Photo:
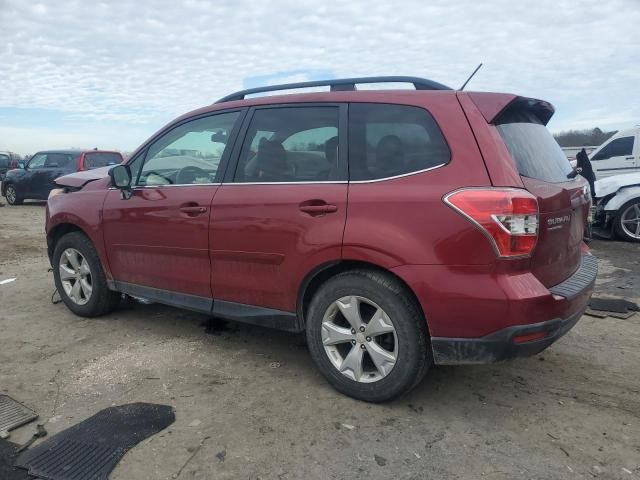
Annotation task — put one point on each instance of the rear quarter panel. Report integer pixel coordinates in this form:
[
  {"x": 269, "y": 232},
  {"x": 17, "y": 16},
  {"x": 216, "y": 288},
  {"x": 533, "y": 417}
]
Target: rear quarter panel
[{"x": 404, "y": 220}]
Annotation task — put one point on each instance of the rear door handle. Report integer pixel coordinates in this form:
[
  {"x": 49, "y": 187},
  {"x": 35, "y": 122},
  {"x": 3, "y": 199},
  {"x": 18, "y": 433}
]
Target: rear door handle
[
  {"x": 629, "y": 158},
  {"x": 318, "y": 209}
]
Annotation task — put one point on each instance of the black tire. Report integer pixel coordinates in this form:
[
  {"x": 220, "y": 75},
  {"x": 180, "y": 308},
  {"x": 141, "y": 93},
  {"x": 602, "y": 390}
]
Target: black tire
[
  {"x": 413, "y": 357},
  {"x": 102, "y": 300},
  {"x": 15, "y": 198},
  {"x": 617, "y": 224}
]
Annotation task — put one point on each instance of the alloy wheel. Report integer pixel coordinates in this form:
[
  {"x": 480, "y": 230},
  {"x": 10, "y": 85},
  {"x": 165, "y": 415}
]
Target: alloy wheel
[
  {"x": 360, "y": 339},
  {"x": 75, "y": 276},
  {"x": 630, "y": 221},
  {"x": 11, "y": 194}
]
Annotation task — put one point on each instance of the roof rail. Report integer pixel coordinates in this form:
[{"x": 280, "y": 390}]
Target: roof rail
[{"x": 339, "y": 84}]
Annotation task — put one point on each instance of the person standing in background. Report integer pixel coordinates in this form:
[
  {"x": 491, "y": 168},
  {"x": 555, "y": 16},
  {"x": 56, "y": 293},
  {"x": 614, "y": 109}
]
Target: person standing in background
[{"x": 584, "y": 163}]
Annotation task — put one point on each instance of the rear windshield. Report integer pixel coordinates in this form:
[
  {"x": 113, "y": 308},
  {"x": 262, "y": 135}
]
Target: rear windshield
[
  {"x": 533, "y": 148},
  {"x": 101, "y": 159}
]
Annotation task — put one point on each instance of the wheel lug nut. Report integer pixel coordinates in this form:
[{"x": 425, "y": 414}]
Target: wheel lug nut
[
  {"x": 362, "y": 329},
  {"x": 353, "y": 330},
  {"x": 353, "y": 342},
  {"x": 362, "y": 346},
  {"x": 368, "y": 339}
]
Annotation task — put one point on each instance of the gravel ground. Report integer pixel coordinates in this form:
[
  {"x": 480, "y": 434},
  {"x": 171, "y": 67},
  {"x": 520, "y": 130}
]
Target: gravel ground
[{"x": 250, "y": 404}]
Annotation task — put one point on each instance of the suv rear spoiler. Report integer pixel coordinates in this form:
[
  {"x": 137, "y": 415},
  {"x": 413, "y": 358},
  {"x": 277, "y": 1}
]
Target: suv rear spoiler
[{"x": 493, "y": 105}]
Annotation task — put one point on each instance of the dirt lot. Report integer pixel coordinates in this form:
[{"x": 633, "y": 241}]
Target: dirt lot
[{"x": 259, "y": 407}]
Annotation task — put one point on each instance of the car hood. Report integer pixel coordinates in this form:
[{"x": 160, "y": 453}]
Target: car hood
[
  {"x": 610, "y": 185},
  {"x": 80, "y": 179}
]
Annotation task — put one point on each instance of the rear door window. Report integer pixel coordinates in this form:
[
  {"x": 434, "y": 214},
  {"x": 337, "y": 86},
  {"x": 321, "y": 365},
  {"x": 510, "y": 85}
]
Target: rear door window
[
  {"x": 101, "y": 159},
  {"x": 619, "y": 147},
  {"x": 390, "y": 140},
  {"x": 536, "y": 153},
  {"x": 290, "y": 144}
]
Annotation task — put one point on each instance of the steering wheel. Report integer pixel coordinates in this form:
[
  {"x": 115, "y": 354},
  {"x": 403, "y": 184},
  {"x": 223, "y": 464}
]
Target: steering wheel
[{"x": 188, "y": 175}]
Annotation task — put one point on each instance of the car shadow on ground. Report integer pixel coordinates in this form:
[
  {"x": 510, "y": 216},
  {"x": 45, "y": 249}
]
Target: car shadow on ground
[{"x": 508, "y": 385}]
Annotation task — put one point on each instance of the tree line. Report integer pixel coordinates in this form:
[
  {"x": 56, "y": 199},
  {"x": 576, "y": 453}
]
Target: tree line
[{"x": 582, "y": 138}]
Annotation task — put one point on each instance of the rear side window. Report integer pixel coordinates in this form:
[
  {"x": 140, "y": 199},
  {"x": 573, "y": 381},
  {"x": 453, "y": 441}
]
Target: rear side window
[
  {"x": 290, "y": 144},
  {"x": 536, "y": 153},
  {"x": 619, "y": 147},
  {"x": 391, "y": 140},
  {"x": 101, "y": 159},
  {"x": 4, "y": 161}
]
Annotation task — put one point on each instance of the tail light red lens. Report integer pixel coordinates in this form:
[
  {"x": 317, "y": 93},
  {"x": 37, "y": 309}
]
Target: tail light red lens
[{"x": 507, "y": 216}]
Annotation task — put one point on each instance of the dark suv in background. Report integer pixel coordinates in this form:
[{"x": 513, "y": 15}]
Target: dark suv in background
[
  {"x": 36, "y": 178},
  {"x": 398, "y": 229}
]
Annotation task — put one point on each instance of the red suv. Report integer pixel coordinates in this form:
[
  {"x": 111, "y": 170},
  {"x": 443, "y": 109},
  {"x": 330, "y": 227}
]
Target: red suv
[{"x": 398, "y": 229}]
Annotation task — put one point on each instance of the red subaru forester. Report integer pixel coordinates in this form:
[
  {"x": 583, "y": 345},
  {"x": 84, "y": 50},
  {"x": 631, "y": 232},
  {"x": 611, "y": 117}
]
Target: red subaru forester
[{"x": 397, "y": 228}]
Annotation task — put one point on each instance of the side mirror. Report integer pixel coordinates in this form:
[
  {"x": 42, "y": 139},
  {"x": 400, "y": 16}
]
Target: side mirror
[
  {"x": 121, "y": 179},
  {"x": 22, "y": 165}
]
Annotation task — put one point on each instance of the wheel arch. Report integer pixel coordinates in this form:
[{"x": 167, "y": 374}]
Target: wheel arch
[
  {"x": 57, "y": 232},
  {"x": 324, "y": 272}
]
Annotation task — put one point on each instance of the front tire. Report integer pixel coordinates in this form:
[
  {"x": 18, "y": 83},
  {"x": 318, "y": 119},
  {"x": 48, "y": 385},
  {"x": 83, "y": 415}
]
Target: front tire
[
  {"x": 12, "y": 196},
  {"x": 627, "y": 222},
  {"x": 367, "y": 335},
  {"x": 79, "y": 277}
]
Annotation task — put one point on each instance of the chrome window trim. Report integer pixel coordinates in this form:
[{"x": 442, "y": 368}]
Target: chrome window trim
[
  {"x": 141, "y": 187},
  {"x": 401, "y": 175},
  {"x": 321, "y": 182},
  {"x": 289, "y": 183}
]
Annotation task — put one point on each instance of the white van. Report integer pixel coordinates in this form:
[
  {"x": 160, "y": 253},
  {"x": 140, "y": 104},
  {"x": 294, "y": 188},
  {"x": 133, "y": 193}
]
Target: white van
[{"x": 620, "y": 154}]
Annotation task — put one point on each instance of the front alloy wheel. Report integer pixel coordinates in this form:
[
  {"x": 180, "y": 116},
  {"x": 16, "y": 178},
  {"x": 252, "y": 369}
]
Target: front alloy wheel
[
  {"x": 630, "y": 221},
  {"x": 359, "y": 339},
  {"x": 75, "y": 276},
  {"x": 11, "y": 195}
]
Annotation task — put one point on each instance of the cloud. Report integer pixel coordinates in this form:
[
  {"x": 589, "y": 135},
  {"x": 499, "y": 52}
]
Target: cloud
[{"x": 140, "y": 62}]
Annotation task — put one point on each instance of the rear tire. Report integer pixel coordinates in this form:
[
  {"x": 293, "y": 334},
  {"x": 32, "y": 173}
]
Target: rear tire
[
  {"x": 627, "y": 221},
  {"x": 12, "y": 196},
  {"x": 387, "y": 364},
  {"x": 79, "y": 277}
]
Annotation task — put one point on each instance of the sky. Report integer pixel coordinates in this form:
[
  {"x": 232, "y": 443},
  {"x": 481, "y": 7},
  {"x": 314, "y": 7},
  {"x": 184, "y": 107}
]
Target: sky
[{"x": 80, "y": 73}]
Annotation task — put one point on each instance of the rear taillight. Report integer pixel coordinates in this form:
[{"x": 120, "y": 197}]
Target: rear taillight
[{"x": 508, "y": 216}]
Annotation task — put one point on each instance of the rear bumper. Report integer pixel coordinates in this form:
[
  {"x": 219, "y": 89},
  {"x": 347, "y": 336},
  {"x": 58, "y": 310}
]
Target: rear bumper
[
  {"x": 501, "y": 345},
  {"x": 477, "y": 315}
]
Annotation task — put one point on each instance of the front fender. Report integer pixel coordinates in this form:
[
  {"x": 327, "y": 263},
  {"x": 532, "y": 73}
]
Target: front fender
[
  {"x": 81, "y": 210},
  {"x": 621, "y": 197}
]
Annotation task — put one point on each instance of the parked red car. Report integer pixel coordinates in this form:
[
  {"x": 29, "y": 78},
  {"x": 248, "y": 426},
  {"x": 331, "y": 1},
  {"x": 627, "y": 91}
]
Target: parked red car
[{"x": 397, "y": 228}]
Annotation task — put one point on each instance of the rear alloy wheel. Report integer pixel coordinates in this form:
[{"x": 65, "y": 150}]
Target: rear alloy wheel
[
  {"x": 359, "y": 338},
  {"x": 367, "y": 335},
  {"x": 627, "y": 223},
  {"x": 11, "y": 194}
]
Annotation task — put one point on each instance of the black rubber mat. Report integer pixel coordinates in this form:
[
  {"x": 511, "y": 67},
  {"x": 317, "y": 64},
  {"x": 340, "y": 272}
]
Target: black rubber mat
[
  {"x": 92, "y": 448},
  {"x": 14, "y": 414},
  {"x": 8, "y": 454},
  {"x": 618, "y": 305}
]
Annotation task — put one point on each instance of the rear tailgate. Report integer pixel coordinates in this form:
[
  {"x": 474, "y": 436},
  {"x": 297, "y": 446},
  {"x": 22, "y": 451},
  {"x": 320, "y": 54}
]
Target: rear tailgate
[{"x": 544, "y": 170}]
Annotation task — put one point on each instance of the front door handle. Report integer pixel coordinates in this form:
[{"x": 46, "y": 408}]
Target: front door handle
[
  {"x": 629, "y": 158},
  {"x": 193, "y": 210},
  {"x": 318, "y": 209}
]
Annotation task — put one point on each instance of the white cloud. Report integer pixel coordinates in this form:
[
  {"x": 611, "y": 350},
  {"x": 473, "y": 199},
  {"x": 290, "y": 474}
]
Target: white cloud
[{"x": 134, "y": 62}]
